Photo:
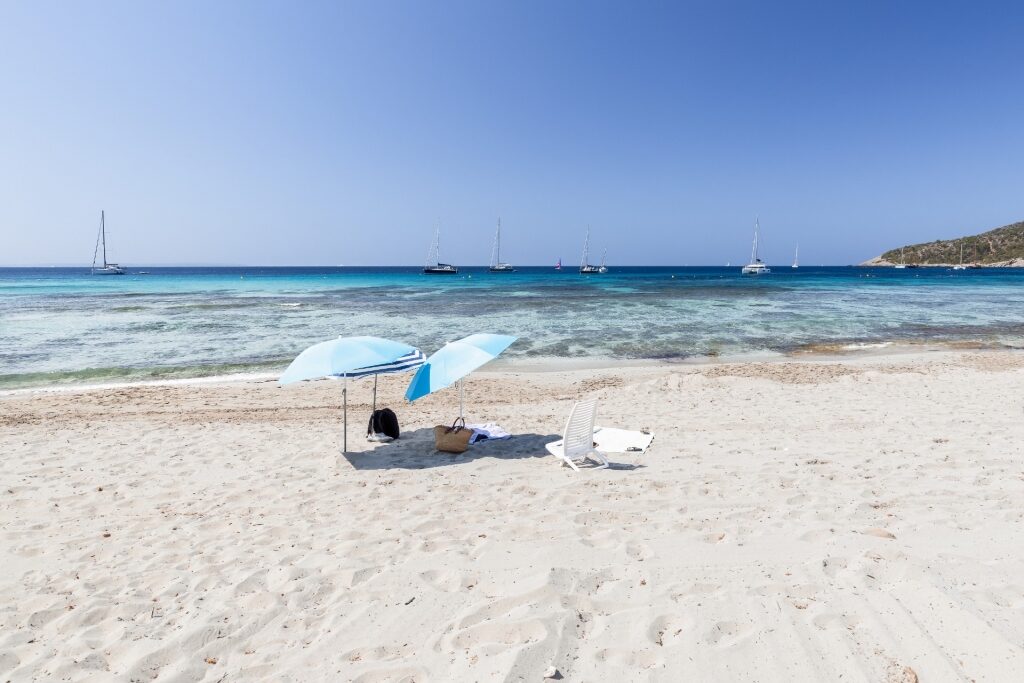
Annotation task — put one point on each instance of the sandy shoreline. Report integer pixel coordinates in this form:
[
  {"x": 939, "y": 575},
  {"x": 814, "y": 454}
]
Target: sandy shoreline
[
  {"x": 818, "y": 352},
  {"x": 795, "y": 520}
]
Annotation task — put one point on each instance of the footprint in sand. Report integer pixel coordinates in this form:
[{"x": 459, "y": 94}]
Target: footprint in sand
[
  {"x": 148, "y": 667},
  {"x": 373, "y": 654},
  {"x": 609, "y": 580},
  {"x": 833, "y": 566},
  {"x": 357, "y": 576},
  {"x": 449, "y": 581},
  {"x": 668, "y": 630},
  {"x": 638, "y": 551},
  {"x": 815, "y": 535},
  {"x": 43, "y": 617},
  {"x": 507, "y": 633},
  {"x": 695, "y": 591},
  {"x": 829, "y": 620},
  {"x": 407, "y": 674},
  {"x": 726, "y": 634},
  {"x": 633, "y": 659}
]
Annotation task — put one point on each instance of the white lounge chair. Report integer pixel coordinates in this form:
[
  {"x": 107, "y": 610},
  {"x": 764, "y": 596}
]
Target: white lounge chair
[{"x": 577, "y": 444}]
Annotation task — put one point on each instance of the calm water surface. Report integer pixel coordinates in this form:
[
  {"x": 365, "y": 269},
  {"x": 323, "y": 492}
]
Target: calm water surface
[{"x": 65, "y": 325}]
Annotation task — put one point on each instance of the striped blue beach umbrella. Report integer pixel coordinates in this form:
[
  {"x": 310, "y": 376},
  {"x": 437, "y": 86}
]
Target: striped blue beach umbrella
[
  {"x": 409, "y": 361},
  {"x": 346, "y": 357}
]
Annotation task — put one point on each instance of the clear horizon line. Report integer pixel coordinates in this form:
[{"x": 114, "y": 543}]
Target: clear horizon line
[{"x": 484, "y": 266}]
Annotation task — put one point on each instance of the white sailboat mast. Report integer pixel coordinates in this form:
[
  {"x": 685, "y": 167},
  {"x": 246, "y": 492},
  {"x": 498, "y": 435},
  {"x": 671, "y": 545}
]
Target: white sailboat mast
[
  {"x": 103, "y": 232},
  {"x": 753, "y": 251},
  {"x": 435, "y": 248},
  {"x": 586, "y": 248},
  {"x": 496, "y": 249}
]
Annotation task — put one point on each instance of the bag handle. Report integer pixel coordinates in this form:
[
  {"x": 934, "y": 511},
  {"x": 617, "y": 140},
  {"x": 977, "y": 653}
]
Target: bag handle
[{"x": 458, "y": 428}]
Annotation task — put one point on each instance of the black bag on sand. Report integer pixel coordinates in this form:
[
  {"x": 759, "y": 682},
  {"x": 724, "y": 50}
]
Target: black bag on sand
[{"x": 383, "y": 421}]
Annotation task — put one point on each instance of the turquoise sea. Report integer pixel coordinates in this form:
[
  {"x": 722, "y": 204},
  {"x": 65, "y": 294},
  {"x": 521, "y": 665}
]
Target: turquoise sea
[{"x": 63, "y": 325}]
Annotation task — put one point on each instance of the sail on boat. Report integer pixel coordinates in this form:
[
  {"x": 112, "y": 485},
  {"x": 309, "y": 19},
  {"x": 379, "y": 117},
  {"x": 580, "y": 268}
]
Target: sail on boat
[
  {"x": 433, "y": 266},
  {"x": 585, "y": 267},
  {"x": 496, "y": 265},
  {"x": 101, "y": 239},
  {"x": 756, "y": 265},
  {"x": 796, "y": 256},
  {"x": 902, "y": 263},
  {"x": 558, "y": 266}
]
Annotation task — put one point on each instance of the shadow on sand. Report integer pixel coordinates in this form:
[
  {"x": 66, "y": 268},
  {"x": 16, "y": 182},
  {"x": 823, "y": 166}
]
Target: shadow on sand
[{"x": 415, "y": 451}]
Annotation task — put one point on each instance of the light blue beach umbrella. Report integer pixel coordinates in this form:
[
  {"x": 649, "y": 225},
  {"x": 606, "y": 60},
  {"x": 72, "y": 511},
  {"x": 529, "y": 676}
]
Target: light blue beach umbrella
[
  {"x": 454, "y": 361},
  {"x": 352, "y": 357}
]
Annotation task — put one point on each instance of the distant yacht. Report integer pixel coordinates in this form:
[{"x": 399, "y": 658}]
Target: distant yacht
[
  {"x": 796, "y": 256},
  {"x": 433, "y": 266},
  {"x": 585, "y": 267},
  {"x": 558, "y": 266},
  {"x": 496, "y": 265},
  {"x": 101, "y": 239},
  {"x": 902, "y": 263},
  {"x": 756, "y": 265}
]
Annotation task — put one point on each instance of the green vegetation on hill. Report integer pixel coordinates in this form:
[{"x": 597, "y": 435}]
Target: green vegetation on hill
[{"x": 1002, "y": 244}]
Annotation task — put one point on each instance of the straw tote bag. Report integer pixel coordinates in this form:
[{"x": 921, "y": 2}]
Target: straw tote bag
[{"x": 454, "y": 439}]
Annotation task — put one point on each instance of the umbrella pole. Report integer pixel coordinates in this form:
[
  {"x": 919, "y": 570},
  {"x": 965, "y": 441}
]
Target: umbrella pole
[
  {"x": 344, "y": 404},
  {"x": 374, "y": 394},
  {"x": 462, "y": 384}
]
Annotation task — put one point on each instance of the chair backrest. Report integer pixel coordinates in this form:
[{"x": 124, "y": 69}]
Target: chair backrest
[{"x": 579, "y": 430}]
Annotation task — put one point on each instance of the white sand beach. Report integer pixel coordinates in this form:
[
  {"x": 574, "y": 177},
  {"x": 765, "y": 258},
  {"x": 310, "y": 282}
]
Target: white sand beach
[{"x": 855, "y": 519}]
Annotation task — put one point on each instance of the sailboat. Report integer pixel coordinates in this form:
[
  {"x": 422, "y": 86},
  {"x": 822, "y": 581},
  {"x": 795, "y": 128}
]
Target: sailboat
[
  {"x": 558, "y": 266},
  {"x": 433, "y": 266},
  {"x": 496, "y": 265},
  {"x": 796, "y": 256},
  {"x": 974, "y": 259},
  {"x": 904, "y": 264},
  {"x": 756, "y": 265},
  {"x": 101, "y": 239},
  {"x": 961, "y": 266},
  {"x": 585, "y": 267},
  {"x": 603, "y": 268}
]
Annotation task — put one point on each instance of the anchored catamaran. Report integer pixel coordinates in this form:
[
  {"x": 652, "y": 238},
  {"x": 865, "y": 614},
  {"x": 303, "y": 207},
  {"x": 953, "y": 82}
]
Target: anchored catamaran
[
  {"x": 756, "y": 265},
  {"x": 101, "y": 239},
  {"x": 496, "y": 265}
]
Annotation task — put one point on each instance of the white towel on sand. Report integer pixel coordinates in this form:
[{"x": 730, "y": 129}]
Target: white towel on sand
[
  {"x": 489, "y": 432},
  {"x": 611, "y": 440}
]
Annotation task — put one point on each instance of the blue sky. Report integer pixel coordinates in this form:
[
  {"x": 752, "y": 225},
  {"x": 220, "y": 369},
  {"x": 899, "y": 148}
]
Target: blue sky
[{"x": 340, "y": 133}]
